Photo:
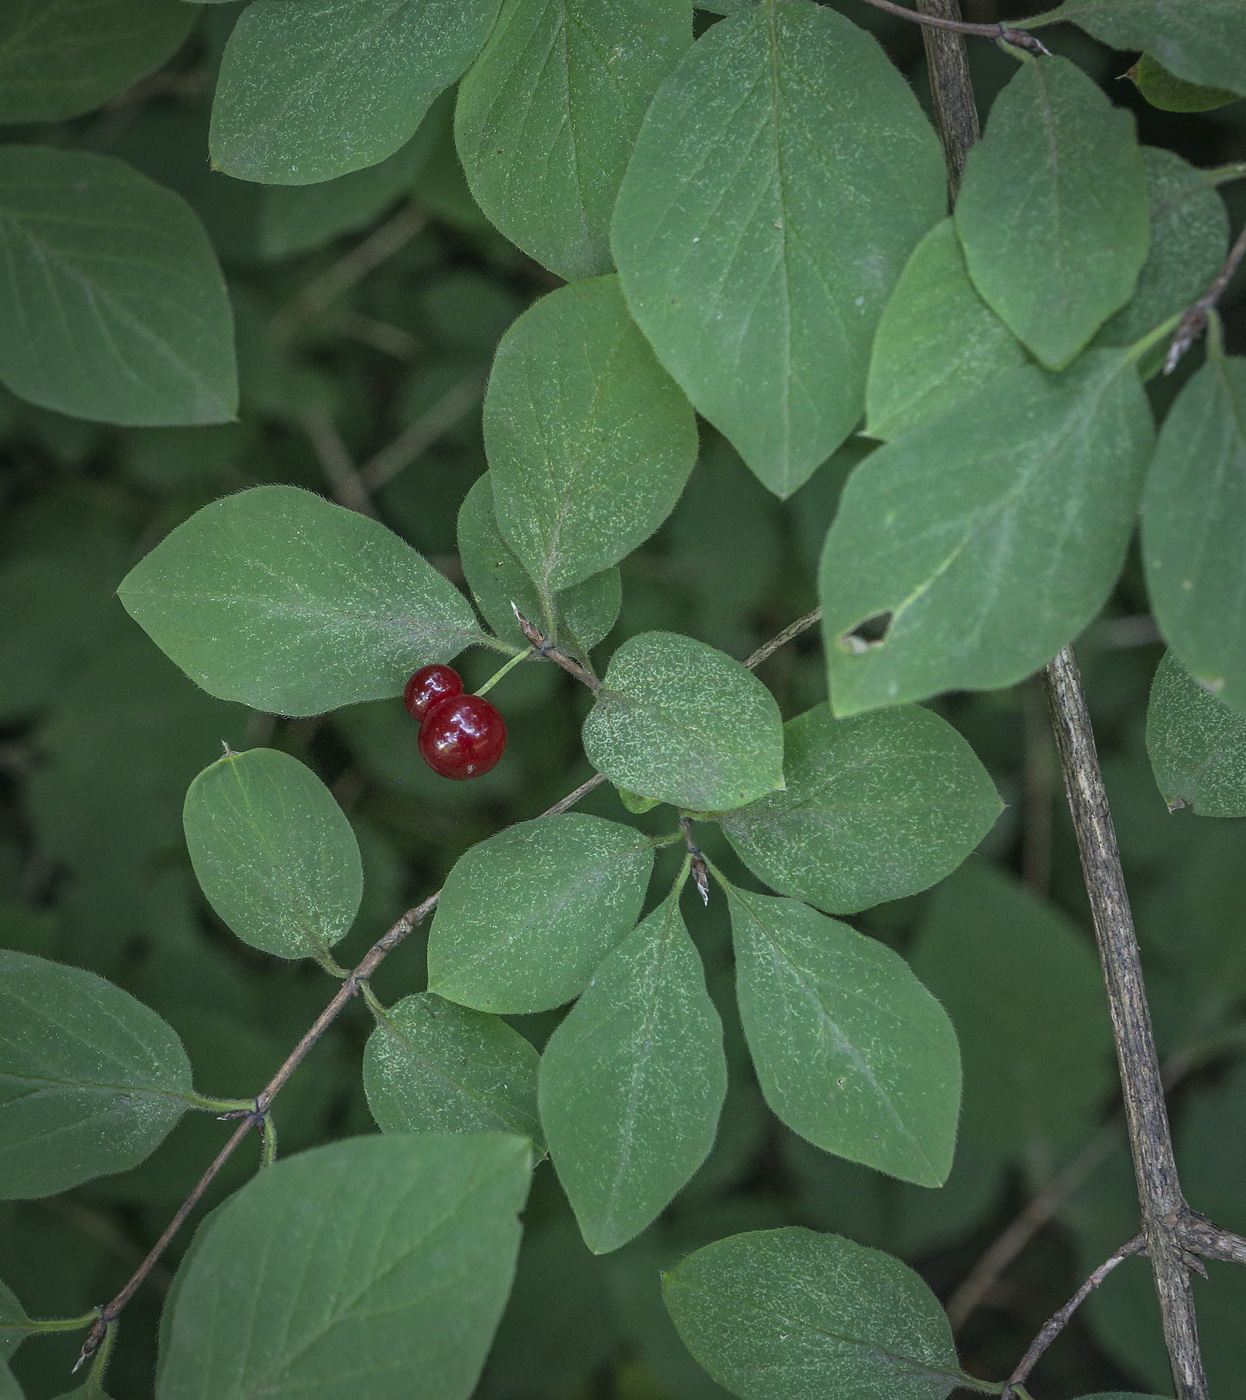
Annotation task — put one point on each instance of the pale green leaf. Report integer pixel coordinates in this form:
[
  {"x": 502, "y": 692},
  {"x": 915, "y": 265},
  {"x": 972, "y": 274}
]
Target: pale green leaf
[
  {"x": 937, "y": 340},
  {"x": 432, "y": 1066},
  {"x": 984, "y": 541},
  {"x": 274, "y": 853},
  {"x": 873, "y": 808},
  {"x": 684, "y": 723},
  {"x": 60, "y": 58},
  {"x": 1196, "y": 743},
  {"x": 633, "y": 1080},
  {"x": 111, "y": 297},
  {"x": 548, "y": 114},
  {"x": 1053, "y": 210},
  {"x": 14, "y": 1324},
  {"x": 313, "y": 89},
  {"x": 1194, "y": 529},
  {"x": 851, "y": 1051},
  {"x": 9, "y": 1388},
  {"x": 1169, "y": 93},
  {"x": 763, "y": 222},
  {"x": 527, "y": 916},
  {"x": 1023, "y": 989},
  {"x": 794, "y": 1315},
  {"x": 279, "y": 599},
  {"x": 589, "y": 439},
  {"x": 91, "y": 1080},
  {"x": 376, "y": 1266}
]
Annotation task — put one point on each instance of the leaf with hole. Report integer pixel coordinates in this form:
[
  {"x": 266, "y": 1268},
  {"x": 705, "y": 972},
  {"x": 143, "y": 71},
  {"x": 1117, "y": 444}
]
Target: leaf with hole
[
  {"x": 279, "y": 599},
  {"x": 274, "y": 853},
  {"x": 313, "y": 89},
  {"x": 762, "y": 224},
  {"x": 682, "y": 722},
  {"x": 91, "y": 1080},
  {"x": 1196, "y": 743},
  {"x": 873, "y": 808},
  {"x": 968, "y": 552},
  {"x": 851, "y": 1051},
  {"x": 433, "y": 1066},
  {"x": 793, "y": 1315},
  {"x": 375, "y": 1266},
  {"x": 114, "y": 299},
  {"x": 527, "y": 916},
  {"x": 583, "y": 474},
  {"x": 633, "y": 1080},
  {"x": 1052, "y": 213},
  {"x": 548, "y": 114}
]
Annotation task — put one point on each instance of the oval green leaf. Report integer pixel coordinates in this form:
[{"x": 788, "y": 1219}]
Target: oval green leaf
[
  {"x": 377, "y": 1266},
  {"x": 1193, "y": 525},
  {"x": 279, "y": 599},
  {"x": 274, "y": 853},
  {"x": 633, "y": 1080},
  {"x": 112, "y": 295},
  {"x": 794, "y": 1315},
  {"x": 548, "y": 114},
  {"x": 851, "y": 1051},
  {"x": 984, "y": 541},
  {"x": 1053, "y": 210},
  {"x": 761, "y": 226},
  {"x": 527, "y": 916},
  {"x": 682, "y": 722},
  {"x": 313, "y": 89},
  {"x": 873, "y": 808},
  {"x": 584, "y": 475},
  {"x": 432, "y": 1066},
  {"x": 1197, "y": 745},
  {"x": 91, "y": 1080},
  {"x": 1169, "y": 93}
]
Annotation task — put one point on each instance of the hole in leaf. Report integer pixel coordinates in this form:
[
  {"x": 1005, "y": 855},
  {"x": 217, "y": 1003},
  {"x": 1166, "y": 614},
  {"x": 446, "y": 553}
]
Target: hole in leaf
[{"x": 868, "y": 634}]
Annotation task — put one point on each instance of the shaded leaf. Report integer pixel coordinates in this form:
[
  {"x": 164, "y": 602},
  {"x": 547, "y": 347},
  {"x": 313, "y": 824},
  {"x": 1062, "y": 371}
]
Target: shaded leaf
[
  {"x": 14, "y": 1324},
  {"x": 279, "y": 599},
  {"x": 1169, "y": 93},
  {"x": 757, "y": 241},
  {"x": 1197, "y": 745}
]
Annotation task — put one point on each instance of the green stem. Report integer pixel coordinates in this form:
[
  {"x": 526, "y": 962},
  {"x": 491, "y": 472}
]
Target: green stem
[
  {"x": 1161, "y": 332},
  {"x": 374, "y": 1003},
  {"x": 268, "y": 1146},
  {"x": 210, "y": 1105},
  {"x": 497, "y": 675},
  {"x": 52, "y": 1324},
  {"x": 99, "y": 1363}
]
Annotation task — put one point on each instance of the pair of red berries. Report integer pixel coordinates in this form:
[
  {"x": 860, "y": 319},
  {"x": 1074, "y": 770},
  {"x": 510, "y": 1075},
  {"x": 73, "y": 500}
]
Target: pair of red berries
[{"x": 461, "y": 736}]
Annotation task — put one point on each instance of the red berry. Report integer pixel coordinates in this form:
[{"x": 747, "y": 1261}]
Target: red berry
[
  {"x": 462, "y": 736},
  {"x": 427, "y": 686}
]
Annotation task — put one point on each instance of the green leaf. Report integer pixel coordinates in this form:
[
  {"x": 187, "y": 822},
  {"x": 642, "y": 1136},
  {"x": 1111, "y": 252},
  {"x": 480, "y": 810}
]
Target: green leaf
[
  {"x": 60, "y": 58},
  {"x": 91, "y": 1080},
  {"x": 114, "y": 304},
  {"x": 584, "y": 475},
  {"x": 14, "y": 1324},
  {"x": 1022, "y": 987},
  {"x": 633, "y": 1080},
  {"x": 432, "y": 1066},
  {"x": 793, "y": 1315},
  {"x": 9, "y": 1388},
  {"x": 937, "y": 340},
  {"x": 1053, "y": 210},
  {"x": 984, "y": 541},
  {"x": 548, "y": 114},
  {"x": 1202, "y": 42},
  {"x": 1197, "y": 745},
  {"x": 874, "y": 808},
  {"x": 1189, "y": 238},
  {"x": 276, "y": 598},
  {"x": 1193, "y": 525},
  {"x": 762, "y": 224},
  {"x": 1169, "y": 93},
  {"x": 1121, "y": 1395},
  {"x": 682, "y": 722},
  {"x": 526, "y": 917},
  {"x": 376, "y": 1266},
  {"x": 274, "y": 853},
  {"x": 299, "y": 218},
  {"x": 313, "y": 89},
  {"x": 851, "y": 1051}
]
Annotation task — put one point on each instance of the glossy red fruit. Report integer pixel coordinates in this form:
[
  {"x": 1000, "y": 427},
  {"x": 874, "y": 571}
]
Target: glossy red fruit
[
  {"x": 429, "y": 685},
  {"x": 462, "y": 736}
]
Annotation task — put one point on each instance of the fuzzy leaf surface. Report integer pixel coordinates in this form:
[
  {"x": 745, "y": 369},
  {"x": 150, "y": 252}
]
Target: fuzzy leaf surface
[{"x": 1196, "y": 743}]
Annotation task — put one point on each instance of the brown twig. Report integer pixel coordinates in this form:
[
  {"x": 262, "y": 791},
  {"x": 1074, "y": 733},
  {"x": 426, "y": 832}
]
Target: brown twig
[
  {"x": 1194, "y": 322},
  {"x": 348, "y": 487},
  {"x": 414, "y": 441},
  {"x": 956, "y": 112},
  {"x": 802, "y": 624},
  {"x": 696, "y": 859},
  {"x": 1018, "y": 38},
  {"x": 1059, "y": 1320},
  {"x": 553, "y": 653}
]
